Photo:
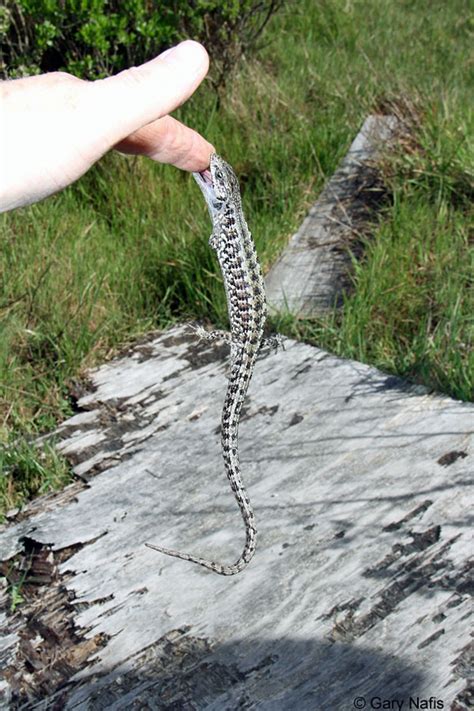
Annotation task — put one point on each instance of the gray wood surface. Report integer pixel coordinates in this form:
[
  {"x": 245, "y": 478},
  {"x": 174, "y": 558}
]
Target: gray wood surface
[
  {"x": 360, "y": 584},
  {"x": 313, "y": 271}
]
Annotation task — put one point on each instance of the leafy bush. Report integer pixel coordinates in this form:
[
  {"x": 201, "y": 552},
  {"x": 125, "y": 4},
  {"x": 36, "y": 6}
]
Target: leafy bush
[
  {"x": 228, "y": 29},
  {"x": 95, "y": 38}
]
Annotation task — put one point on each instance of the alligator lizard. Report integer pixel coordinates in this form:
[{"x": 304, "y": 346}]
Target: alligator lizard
[{"x": 245, "y": 293}]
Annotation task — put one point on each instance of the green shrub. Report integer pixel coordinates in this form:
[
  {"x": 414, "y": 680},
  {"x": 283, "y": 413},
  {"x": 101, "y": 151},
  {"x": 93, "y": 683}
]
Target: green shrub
[{"x": 95, "y": 38}]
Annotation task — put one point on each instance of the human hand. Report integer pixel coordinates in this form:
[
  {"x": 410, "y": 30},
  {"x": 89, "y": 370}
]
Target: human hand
[{"x": 54, "y": 127}]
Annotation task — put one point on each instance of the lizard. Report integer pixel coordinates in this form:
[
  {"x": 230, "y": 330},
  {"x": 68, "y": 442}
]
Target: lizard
[{"x": 245, "y": 294}]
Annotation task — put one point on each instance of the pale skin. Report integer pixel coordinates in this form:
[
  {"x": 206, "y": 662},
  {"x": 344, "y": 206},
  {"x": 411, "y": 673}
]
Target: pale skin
[{"x": 54, "y": 127}]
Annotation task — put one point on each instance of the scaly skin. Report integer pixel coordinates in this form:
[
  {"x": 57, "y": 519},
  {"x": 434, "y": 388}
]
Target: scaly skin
[{"x": 245, "y": 292}]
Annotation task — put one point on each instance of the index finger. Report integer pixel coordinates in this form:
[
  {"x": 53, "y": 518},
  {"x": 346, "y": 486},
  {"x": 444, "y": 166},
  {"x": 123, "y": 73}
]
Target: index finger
[{"x": 169, "y": 141}]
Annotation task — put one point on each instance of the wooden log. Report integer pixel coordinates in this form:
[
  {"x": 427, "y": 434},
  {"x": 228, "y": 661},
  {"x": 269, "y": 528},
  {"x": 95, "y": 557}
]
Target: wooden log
[
  {"x": 360, "y": 585},
  {"x": 313, "y": 272}
]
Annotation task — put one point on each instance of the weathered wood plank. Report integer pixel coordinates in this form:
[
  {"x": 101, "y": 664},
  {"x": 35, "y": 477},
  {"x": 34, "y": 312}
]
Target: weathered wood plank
[
  {"x": 360, "y": 585},
  {"x": 313, "y": 271}
]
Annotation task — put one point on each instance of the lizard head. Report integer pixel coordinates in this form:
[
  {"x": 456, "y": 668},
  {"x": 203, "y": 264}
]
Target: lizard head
[{"x": 219, "y": 185}]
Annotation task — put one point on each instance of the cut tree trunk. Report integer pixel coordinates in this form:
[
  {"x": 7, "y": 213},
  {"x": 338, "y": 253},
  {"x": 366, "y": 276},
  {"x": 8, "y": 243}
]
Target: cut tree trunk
[{"x": 360, "y": 585}]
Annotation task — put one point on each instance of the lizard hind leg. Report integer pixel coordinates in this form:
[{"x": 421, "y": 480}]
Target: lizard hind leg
[
  {"x": 273, "y": 343},
  {"x": 201, "y": 333}
]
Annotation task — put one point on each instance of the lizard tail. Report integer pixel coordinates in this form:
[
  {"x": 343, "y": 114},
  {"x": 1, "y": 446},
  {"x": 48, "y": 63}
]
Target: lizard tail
[
  {"x": 233, "y": 474},
  {"x": 230, "y": 423},
  {"x": 219, "y": 568}
]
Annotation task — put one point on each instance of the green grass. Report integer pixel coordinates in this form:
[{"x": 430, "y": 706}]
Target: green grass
[
  {"x": 411, "y": 313},
  {"x": 125, "y": 249},
  {"x": 27, "y": 471}
]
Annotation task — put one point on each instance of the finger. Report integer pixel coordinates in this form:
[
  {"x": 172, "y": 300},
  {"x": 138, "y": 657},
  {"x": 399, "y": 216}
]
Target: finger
[
  {"x": 139, "y": 95},
  {"x": 169, "y": 141}
]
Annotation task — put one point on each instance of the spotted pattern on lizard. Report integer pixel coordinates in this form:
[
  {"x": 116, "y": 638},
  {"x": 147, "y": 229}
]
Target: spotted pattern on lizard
[{"x": 245, "y": 293}]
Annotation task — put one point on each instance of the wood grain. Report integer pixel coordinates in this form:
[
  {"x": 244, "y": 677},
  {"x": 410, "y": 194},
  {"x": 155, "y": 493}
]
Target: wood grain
[{"x": 360, "y": 584}]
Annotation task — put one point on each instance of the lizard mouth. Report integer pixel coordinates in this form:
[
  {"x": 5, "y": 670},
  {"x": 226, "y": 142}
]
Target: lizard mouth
[
  {"x": 206, "y": 176},
  {"x": 204, "y": 180}
]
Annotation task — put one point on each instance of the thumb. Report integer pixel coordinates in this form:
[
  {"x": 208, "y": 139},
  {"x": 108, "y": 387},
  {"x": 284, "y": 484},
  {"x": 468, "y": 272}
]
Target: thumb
[{"x": 140, "y": 95}]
